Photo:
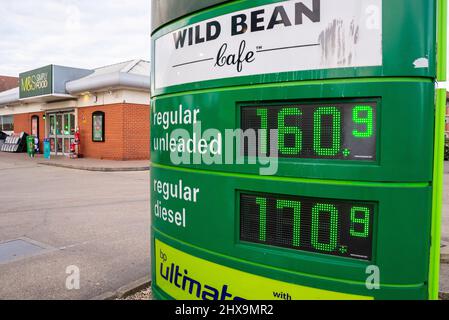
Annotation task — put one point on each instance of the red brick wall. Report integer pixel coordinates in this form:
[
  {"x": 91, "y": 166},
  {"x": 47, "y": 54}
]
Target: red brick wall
[
  {"x": 22, "y": 123},
  {"x": 136, "y": 132},
  {"x": 127, "y": 132},
  {"x": 112, "y": 148}
]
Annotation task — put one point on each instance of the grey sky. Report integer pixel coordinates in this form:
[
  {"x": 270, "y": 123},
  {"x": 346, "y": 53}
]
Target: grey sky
[{"x": 76, "y": 33}]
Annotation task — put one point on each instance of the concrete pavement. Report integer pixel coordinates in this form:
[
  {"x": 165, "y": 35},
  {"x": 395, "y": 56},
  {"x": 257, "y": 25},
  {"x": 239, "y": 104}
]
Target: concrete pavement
[
  {"x": 80, "y": 164},
  {"x": 96, "y": 221}
]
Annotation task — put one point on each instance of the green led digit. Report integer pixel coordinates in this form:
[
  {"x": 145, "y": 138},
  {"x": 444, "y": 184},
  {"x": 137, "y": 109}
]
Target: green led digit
[
  {"x": 336, "y": 131},
  {"x": 263, "y": 114},
  {"x": 296, "y": 206},
  {"x": 317, "y": 210},
  {"x": 262, "y": 202},
  {"x": 284, "y": 130},
  {"x": 358, "y": 118},
  {"x": 365, "y": 221}
]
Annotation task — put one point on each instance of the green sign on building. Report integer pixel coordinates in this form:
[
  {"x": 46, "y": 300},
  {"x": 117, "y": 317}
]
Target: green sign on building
[
  {"x": 297, "y": 149},
  {"x": 35, "y": 83}
]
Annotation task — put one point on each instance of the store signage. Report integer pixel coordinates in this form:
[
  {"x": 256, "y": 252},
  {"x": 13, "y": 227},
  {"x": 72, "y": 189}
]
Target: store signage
[
  {"x": 98, "y": 134},
  {"x": 316, "y": 90},
  {"x": 281, "y": 37},
  {"x": 35, "y": 126},
  {"x": 343, "y": 131},
  {"x": 35, "y": 83},
  {"x": 186, "y": 277}
]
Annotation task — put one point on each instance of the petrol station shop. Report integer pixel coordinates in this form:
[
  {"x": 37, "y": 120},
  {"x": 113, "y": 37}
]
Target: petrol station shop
[{"x": 107, "y": 108}]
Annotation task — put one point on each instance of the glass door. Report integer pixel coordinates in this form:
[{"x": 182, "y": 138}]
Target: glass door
[
  {"x": 59, "y": 126},
  {"x": 52, "y": 133},
  {"x": 62, "y": 132}
]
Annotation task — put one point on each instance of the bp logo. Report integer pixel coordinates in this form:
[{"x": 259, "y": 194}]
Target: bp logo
[{"x": 176, "y": 275}]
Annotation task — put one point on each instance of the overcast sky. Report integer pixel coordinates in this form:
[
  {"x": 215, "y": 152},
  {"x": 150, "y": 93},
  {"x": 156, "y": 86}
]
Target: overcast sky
[{"x": 75, "y": 33}]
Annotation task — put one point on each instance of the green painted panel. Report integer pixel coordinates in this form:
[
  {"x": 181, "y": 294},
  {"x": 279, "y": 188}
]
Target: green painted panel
[
  {"x": 211, "y": 226},
  {"x": 37, "y": 82},
  {"x": 404, "y": 107},
  {"x": 437, "y": 199},
  {"x": 196, "y": 207}
]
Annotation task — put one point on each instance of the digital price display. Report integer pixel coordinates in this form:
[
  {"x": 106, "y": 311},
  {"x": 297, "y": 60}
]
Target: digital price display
[
  {"x": 332, "y": 227},
  {"x": 343, "y": 131}
]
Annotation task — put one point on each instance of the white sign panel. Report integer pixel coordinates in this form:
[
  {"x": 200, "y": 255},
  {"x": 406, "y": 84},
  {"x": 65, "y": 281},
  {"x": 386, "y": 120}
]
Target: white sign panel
[{"x": 280, "y": 37}]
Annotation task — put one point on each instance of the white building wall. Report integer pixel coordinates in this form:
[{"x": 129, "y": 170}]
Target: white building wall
[
  {"x": 20, "y": 109},
  {"x": 88, "y": 100},
  {"x": 114, "y": 97}
]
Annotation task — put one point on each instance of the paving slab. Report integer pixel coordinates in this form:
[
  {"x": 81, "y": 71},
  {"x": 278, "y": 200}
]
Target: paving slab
[{"x": 87, "y": 164}]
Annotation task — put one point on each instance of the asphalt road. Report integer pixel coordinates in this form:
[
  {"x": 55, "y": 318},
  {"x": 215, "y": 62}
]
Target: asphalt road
[{"x": 98, "y": 222}]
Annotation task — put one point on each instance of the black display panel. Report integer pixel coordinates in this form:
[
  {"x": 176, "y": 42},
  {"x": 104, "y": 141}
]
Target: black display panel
[
  {"x": 333, "y": 227},
  {"x": 341, "y": 131}
]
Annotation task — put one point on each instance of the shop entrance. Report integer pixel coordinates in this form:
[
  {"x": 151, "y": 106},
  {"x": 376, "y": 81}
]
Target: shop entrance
[{"x": 61, "y": 132}]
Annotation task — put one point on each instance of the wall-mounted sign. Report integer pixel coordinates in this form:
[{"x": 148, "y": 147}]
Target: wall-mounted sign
[
  {"x": 49, "y": 80},
  {"x": 37, "y": 82},
  {"x": 35, "y": 126},
  {"x": 98, "y": 126},
  {"x": 280, "y": 37},
  {"x": 83, "y": 117}
]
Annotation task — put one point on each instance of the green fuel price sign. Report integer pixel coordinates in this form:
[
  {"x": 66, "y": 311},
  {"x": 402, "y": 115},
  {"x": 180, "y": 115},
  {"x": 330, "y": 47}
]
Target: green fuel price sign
[
  {"x": 297, "y": 149},
  {"x": 341, "y": 228},
  {"x": 323, "y": 131}
]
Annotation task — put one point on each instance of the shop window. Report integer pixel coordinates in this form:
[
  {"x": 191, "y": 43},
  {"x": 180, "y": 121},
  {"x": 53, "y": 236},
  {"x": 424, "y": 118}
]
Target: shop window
[
  {"x": 98, "y": 126},
  {"x": 6, "y": 123},
  {"x": 35, "y": 126}
]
